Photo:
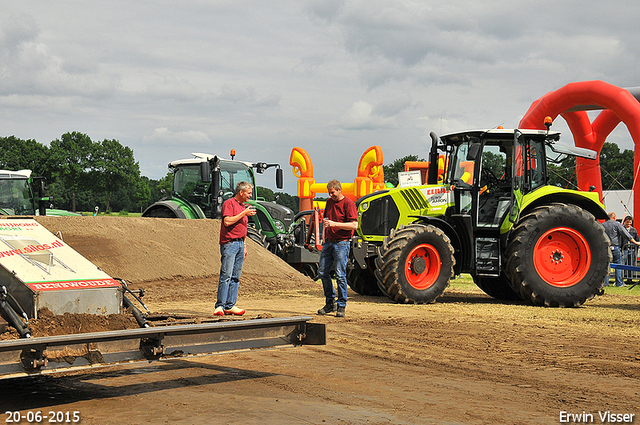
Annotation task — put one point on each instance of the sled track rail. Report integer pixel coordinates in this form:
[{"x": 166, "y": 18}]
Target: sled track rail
[{"x": 50, "y": 354}]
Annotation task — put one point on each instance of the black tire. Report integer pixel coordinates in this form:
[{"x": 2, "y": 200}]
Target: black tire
[
  {"x": 257, "y": 236},
  {"x": 363, "y": 281},
  {"x": 161, "y": 213},
  {"x": 497, "y": 287},
  {"x": 310, "y": 269},
  {"x": 415, "y": 264},
  {"x": 558, "y": 256}
]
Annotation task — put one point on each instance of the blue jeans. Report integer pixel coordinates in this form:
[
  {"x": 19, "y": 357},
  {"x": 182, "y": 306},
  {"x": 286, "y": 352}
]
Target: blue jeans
[
  {"x": 617, "y": 259},
  {"x": 334, "y": 253},
  {"x": 231, "y": 261}
]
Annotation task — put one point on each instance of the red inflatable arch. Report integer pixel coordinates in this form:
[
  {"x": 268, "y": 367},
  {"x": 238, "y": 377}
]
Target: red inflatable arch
[{"x": 571, "y": 102}]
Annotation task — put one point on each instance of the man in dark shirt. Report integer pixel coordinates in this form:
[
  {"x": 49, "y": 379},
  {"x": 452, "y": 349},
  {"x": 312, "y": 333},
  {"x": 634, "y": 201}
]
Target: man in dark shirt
[
  {"x": 617, "y": 234},
  {"x": 340, "y": 221}
]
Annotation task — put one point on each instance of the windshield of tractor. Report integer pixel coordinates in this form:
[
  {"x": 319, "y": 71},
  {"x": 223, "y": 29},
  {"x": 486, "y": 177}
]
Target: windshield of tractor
[
  {"x": 232, "y": 173},
  {"x": 16, "y": 197},
  {"x": 462, "y": 166}
]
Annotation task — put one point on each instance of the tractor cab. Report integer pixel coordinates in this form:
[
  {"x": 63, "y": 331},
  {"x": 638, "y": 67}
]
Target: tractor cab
[
  {"x": 193, "y": 184},
  {"x": 491, "y": 170}
]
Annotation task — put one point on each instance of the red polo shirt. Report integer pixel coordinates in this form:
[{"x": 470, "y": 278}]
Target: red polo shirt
[
  {"x": 342, "y": 211},
  {"x": 232, "y": 207}
]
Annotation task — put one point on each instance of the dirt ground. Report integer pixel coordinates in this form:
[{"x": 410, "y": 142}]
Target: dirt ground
[{"x": 466, "y": 359}]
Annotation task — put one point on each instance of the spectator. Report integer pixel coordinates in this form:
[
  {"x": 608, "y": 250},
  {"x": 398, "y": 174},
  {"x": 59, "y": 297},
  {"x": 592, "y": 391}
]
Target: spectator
[
  {"x": 629, "y": 251},
  {"x": 616, "y": 233}
]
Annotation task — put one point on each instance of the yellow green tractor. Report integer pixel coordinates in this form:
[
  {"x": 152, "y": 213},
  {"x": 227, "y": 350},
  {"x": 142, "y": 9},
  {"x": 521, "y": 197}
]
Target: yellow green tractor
[{"x": 490, "y": 213}]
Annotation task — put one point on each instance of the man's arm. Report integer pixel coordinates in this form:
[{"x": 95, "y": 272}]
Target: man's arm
[
  {"x": 232, "y": 219},
  {"x": 350, "y": 225}
]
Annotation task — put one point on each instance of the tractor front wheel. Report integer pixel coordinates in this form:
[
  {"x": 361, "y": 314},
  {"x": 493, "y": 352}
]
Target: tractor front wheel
[
  {"x": 558, "y": 255},
  {"x": 415, "y": 264},
  {"x": 257, "y": 236},
  {"x": 363, "y": 281}
]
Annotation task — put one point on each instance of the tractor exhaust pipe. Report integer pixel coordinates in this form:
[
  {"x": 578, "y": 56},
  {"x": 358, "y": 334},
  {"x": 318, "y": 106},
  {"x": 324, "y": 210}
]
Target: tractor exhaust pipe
[{"x": 432, "y": 176}]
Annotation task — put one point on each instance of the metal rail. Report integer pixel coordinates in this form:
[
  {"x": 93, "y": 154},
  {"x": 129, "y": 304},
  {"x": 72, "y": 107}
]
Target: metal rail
[{"x": 29, "y": 356}]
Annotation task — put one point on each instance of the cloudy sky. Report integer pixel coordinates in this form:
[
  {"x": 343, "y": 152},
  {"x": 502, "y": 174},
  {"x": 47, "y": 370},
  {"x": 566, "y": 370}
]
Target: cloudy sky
[{"x": 331, "y": 76}]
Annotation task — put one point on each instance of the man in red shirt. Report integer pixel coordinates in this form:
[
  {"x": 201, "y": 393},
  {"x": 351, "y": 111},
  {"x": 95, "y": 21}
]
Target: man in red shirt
[
  {"x": 233, "y": 251},
  {"x": 340, "y": 221}
]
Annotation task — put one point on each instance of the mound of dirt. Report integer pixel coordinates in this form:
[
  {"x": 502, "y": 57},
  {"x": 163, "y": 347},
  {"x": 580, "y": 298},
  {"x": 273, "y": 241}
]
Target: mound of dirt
[{"x": 141, "y": 250}]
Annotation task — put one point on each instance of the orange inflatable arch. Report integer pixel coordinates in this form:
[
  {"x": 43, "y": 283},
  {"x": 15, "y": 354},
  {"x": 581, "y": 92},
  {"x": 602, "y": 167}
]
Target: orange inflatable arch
[{"x": 571, "y": 102}]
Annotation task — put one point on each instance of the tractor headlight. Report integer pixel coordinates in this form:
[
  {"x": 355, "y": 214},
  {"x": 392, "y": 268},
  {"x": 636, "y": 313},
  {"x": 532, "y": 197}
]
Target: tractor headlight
[{"x": 279, "y": 225}]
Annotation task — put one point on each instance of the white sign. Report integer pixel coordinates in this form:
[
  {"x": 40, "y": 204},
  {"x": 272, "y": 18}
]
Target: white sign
[{"x": 409, "y": 178}]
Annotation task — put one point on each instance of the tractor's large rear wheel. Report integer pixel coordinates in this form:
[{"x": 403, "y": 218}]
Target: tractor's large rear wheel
[
  {"x": 415, "y": 264},
  {"x": 363, "y": 281},
  {"x": 497, "y": 287},
  {"x": 558, "y": 255},
  {"x": 161, "y": 212}
]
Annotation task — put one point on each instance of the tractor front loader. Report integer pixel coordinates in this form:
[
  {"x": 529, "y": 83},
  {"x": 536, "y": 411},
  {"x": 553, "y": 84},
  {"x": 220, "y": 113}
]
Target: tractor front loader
[{"x": 492, "y": 215}]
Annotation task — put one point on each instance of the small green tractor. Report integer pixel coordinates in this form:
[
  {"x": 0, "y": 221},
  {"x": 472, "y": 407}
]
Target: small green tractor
[
  {"x": 490, "y": 213},
  {"x": 17, "y": 195},
  {"x": 202, "y": 183}
]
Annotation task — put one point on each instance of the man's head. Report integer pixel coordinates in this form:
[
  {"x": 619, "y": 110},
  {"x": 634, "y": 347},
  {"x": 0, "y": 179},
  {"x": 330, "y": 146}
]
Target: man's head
[
  {"x": 244, "y": 190},
  {"x": 612, "y": 216},
  {"x": 334, "y": 188},
  {"x": 628, "y": 221}
]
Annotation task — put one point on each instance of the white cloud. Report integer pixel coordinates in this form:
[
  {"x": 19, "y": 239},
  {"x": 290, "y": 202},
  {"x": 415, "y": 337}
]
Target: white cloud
[{"x": 164, "y": 136}]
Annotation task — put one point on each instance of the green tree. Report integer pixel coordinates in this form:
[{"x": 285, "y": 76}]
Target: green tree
[
  {"x": 616, "y": 167},
  {"x": 391, "y": 170},
  {"x": 70, "y": 160},
  {"x": 289, "y": 201},
  {"x": 114, "y": 167},
  {"x": 17, "y": 154},
  {"x": 265, "y": 193}
]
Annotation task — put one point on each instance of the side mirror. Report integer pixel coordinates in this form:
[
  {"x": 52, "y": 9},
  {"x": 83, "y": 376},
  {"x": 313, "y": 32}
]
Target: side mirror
[
  {"x": 205, "y": 172},
  {"x": 474, "y": 149},
  {"x": 279, "y": 178}
]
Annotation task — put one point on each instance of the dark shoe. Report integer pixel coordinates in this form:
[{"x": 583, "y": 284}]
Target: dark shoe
[
  {"x": 340, "y": 312},
  {"x": 329, "y": 307}
]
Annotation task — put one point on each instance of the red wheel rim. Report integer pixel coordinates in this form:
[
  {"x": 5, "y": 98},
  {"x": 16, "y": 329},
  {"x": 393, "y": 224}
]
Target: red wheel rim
[
  {"x": 422, "y": 267},
  {"x": 562, "y": 257}
]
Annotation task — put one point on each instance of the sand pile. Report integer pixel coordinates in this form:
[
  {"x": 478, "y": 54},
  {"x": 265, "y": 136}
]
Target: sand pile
[{"x": 142, "y": 250}]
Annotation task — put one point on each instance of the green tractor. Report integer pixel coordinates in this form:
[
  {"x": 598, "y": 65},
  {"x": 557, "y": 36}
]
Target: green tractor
[
  {"x": 490, "y": 213},
  {"x": 17, "y": 196},
  {"x": 197, "y": 179}
]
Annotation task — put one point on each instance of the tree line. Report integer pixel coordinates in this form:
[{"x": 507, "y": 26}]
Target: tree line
[{"x": 83, "y": 174}]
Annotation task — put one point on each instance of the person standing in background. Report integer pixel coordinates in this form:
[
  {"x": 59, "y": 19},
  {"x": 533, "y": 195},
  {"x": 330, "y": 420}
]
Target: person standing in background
[
  {"x": 616, "y": 233},
  {"x": 629, "y": 251}
]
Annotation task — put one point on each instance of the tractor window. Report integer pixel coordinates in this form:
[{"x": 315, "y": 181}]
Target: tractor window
[
  {"x": 536, "y": 163},
  {"x": 232, "y": 173},
  {"x": 187, "y": 182},
  {"x": 462, "y": 168},
  {"x": 15, "y": 197},
  {"x": 495, "y": 186}
]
